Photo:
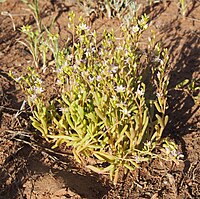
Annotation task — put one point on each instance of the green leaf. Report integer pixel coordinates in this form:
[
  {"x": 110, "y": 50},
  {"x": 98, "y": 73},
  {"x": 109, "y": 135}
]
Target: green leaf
[
  {"x": 141, "y": 134},
  {"x": 105, "y": 156},
  {"x": 58, "y": 143},
  {"x": 36, "y": 114},
  {"x": 145, "y": 116},
  {"x": 100, "y": 170},
  {"x": 37, "y": 126},
  {"x": 63, "y": 123},
  {"x": 69, "y": 120},
  {"x": 160, "y": 121},
  {"x": 99, "y": 113},
  {"x": 129, "y": 167},
  {"x": 69, "y": 139},
  {"x": 77, "y": 157},
  {"x": 182, "y": 84},
  {"x": 146, "y": 122},
  {"x": 134, "y": 163},
  {"x": 166, "y": 119},
  {"x": 92, "y": 116},
  {"x": 65, "y": 100},
  {"x": 101, "y": 116},
  {"x": 157, "y": 107},
  {"x": 44, "y": 125},
  {"x": 121, "y": 136},
  {"x": 81, "y": 112},
  {"x": 97, "y": 99}
]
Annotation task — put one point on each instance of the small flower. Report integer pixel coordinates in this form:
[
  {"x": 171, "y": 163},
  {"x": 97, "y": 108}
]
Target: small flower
[
  {"x": 93, "y": 34},
  {"x": 83, "y": 26},
  {"x": 180, "y": 155},
  {"x": 59, "y": 82},
  {"x": 119, "y": 48},
  {"x": 159, "y": 95},
  {"x": 139, "y": 92},
  {"x": 63, "y": 110},
  {"x": 114, "y": 98},
  {"x": 105, "y": 62},
  {"x": 167, "y": 150},
  {"x": 126, "y": 53},
  {"x": 128, "y": 60},
  {"x": 148, "y": 143},
  {"x": 137, "y": 159},
  {"x": 91, "y": 79},
  {"x": 87, "y": 53},
  {"x": 174, "y": 153},
  {"x": 38, "y": 90},
  {"x": 68, "y": 58},
  {"x": 39, "y": 81},
  {"x": 125, "y": 111},
  {"x": 121, "y": 104},
  {"x": 58, "y": 70},
  {"x": 135, "y": 29},
  {"x": 33, "y": 97},
  {"x": 18, "y": 79},
  {"x": 93, "y": 49},
  {"x": 99, "y": 78},
  {"x": 114, "y": 69},
  {"x": 158, "y": 60},
  {"x": 120, "y": 89}
]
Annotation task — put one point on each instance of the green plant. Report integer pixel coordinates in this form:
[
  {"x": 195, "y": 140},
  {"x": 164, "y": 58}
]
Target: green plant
[
  {"x": 190, "y": 88},
  {"x": 34, "y": 7},
  {"x": 32, "y": 42},
  {"x": 41, "y": 46},
  {"x": 111, "y": 98},
  {"x": 183, "y": 7},
  {"x": 125, "y": 10}
]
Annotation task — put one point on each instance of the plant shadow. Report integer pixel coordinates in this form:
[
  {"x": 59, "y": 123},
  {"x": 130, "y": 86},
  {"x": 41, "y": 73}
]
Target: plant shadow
[{"x": 186, "y": 62}]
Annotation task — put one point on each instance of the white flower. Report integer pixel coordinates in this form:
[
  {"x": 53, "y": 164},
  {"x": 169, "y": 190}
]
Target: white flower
[
  {"x": 158, "y": 75},
  {"x": 63, "y": 110},
  {"x": 114, "y": 69},
  {"x": 91, "y": 79},
  {"x": 139, "y": 92},
  {"x": 99, "y": 77},
  {"x": 114, "y": 98},
  {"x": 69, "y": 58},
  {"x": 18, "y": 79},
  {"x": 83, "y": 26},
  {"x": 39, "y": 81},
  {"x": 128, "y": 60},
  {"x": 119, "y": 48},
  {"x": 157, "y": 59},
  {"x": 137, "y": 159},
  {"x": 93, "y": 49},
  {"x": 135, "y": 28},
  {"x": 59, "y": 82},
  {"x": 87, "y": 53},
  {"x": 126, "y": 53},
  {"x": 148, "y": 143},
  {"x": 120, "y": 89},
  {"x": 125, "y": 111},
  {"x": 59, "y": 70},
  {"x": 174, "y": 153},
  {"x": 38, "y": 90},
  {"x": 33, "y": 97},
  {"x": 159, "y": 95}
]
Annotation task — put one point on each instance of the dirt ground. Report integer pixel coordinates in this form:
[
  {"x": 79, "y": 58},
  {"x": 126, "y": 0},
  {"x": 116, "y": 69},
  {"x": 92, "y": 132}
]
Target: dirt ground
[{"x": 29, "y": 169}]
